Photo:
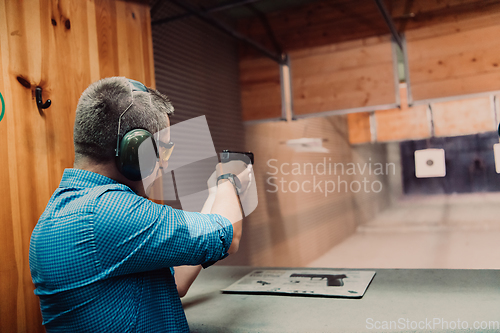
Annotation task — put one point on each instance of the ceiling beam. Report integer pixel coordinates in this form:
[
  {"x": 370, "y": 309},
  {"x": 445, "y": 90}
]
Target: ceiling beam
[
  {"x": 388, "y": 19},
  {"x": 154, "y": 6},
  {"x": 228, "y": 30},
  {"x": 265, "y": 22},
  {"x": 218, "y": 8}
]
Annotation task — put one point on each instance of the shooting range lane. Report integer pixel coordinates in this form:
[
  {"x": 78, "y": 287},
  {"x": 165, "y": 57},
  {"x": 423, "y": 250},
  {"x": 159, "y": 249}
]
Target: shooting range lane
[{"x": 414, "y": 295}]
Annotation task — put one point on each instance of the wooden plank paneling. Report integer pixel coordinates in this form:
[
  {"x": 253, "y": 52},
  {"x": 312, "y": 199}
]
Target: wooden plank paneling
[
  {"x": 359, "y": 127},
  {"x": 451, "y": 118},
  {"x": 455, "y": 58},
  {"x": 93, "y": 42},
  {"x": 107, "y": 37},
  {"x": 462, "y": 117},
  {"x": 29, "y": 174},
  {"x": 428, "y": 13},
  {"x": 129, "y": 33},
  {"x": 315, "y": 24},
  {"x": 342, "y": 76},
  {"x": 401, "y": 8},
  {"x": 343, "y": 79},
  {"x": 69, "y": 36},
  {"x": 327, "y": 22},
  {"x": 404, "y": 123},
  {"x": 147, "y": 46},
  {"x": 61, "y": 46},
  {"x": 260, "y": 89},
  {"x": 8, "y": 264}
]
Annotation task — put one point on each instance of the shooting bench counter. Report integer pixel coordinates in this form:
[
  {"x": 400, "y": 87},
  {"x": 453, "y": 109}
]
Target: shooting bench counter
[{"x": 422, "y": 296}]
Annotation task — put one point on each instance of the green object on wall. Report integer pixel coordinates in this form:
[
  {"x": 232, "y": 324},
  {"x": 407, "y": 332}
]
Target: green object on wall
[{"x": 3, "y": 107}]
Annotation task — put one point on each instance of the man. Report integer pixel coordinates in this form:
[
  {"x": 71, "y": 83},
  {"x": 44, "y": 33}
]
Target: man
[{"x": 102, "y": 255}]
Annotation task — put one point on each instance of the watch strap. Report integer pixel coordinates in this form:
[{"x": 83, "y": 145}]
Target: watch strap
[
  {"x": 232, "y": 178},
  {"x": 236, "y": 183}
]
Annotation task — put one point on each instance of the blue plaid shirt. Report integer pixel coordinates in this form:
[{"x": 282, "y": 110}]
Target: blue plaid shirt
[{"x": 101, "y": 257}]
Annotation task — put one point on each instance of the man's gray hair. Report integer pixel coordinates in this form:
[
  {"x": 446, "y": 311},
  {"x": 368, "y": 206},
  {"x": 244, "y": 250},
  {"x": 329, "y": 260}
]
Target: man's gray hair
[{"x": 100, "y": 107}]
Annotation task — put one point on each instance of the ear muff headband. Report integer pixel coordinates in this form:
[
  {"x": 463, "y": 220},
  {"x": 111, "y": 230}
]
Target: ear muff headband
[
  {"x": 127, "y": 149},
  {"x": 127, "y": 160}
]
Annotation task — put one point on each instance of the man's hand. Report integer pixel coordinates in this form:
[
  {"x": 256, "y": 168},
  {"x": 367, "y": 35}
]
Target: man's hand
[{"x": 240, "y": 170}]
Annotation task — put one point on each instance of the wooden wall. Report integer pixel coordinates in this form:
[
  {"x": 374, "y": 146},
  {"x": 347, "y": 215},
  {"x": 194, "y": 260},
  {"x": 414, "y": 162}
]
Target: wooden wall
[
  {"x": 402, "y": 123},
  {"x": 260, "y": 89},
  {"x": 330, "y": 70},
  {"x": 450, "y": 118},
  {"x": 343, "y": 76},
  {"x": 452, "y": 51},
  {"x": 61, "y": 46},
  {"x": 326, "y": 78},
  {"x": 462, "y": 117},
  {"x": 456, "y": 57},
  {"x": 359, "y": 127},
  {"x": 326, "y": 22},
  {"x": 425, "y": 13},
  {"x": 313, "y": 24}
]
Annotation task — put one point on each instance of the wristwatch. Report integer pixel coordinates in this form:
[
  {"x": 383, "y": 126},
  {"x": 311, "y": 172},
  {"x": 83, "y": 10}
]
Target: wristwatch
[
  {"x": 233, "y": 179},
  {"x": 237, "y": 186}
]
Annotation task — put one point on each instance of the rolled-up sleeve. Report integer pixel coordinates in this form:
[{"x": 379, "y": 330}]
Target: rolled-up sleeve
[{"x": 133, "y": 234}]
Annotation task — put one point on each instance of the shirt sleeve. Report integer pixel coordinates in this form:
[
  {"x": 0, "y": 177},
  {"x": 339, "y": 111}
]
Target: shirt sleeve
[{"x": 133, "y": 234}]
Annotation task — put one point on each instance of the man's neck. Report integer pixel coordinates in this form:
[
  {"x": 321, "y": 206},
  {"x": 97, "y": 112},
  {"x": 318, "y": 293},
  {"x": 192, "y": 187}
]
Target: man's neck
[{"x": 108, "y": 169}]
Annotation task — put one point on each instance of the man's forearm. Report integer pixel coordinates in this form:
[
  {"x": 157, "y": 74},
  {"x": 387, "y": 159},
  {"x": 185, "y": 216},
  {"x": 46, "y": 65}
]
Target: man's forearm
[
  {"x": 207, "y": 207},
  {"x": 227, "y": 204},
  {"x": 184, "y": 277}
]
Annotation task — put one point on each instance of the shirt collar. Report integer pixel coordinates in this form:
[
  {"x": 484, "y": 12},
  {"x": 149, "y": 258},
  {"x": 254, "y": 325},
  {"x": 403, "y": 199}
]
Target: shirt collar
[{"x": 84, "y": 178}]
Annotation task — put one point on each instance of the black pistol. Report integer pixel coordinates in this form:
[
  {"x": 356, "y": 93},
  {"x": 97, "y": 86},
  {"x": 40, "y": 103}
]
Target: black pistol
[{"x": 228, "y": 155}]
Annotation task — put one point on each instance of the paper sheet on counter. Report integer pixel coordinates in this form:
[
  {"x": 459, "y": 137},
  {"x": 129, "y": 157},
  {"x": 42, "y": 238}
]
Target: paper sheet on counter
[{"x": 325, "y": 282}]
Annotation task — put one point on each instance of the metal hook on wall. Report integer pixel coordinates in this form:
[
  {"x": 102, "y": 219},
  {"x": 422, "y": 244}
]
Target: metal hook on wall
[{"x": 39, "y": 102}]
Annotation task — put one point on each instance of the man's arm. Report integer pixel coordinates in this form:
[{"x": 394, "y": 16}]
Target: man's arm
[
  {"x": 184, "y": 277},
  {"x": 212, "y": 191},
  {"x": 228, "y": 205},
  {"x": 135, "y": 235},
  {"x": 227, "y": 202}
]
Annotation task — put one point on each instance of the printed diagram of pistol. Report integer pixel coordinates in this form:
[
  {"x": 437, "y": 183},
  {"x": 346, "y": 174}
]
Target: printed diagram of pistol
[
  {"x": 331, "y": 279},
  {"x": 263, "y": 282}
]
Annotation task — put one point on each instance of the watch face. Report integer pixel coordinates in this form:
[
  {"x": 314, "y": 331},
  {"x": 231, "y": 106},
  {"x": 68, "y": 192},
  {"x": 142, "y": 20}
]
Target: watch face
[{"x": 236, "y": 181}]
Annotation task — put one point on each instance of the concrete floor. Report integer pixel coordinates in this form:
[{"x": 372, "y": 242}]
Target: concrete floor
[{"x": 442, "y": 231}]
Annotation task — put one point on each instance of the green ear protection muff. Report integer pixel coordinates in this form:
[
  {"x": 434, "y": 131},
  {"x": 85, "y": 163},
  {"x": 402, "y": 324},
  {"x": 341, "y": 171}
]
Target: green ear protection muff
[
  {"x": 127, "y": 160},
  {"x": 127, "y": 149}
]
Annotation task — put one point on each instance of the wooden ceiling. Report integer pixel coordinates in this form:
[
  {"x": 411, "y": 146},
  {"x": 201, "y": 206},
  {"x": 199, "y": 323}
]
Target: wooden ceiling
[{"x": 325, "y": 22}]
